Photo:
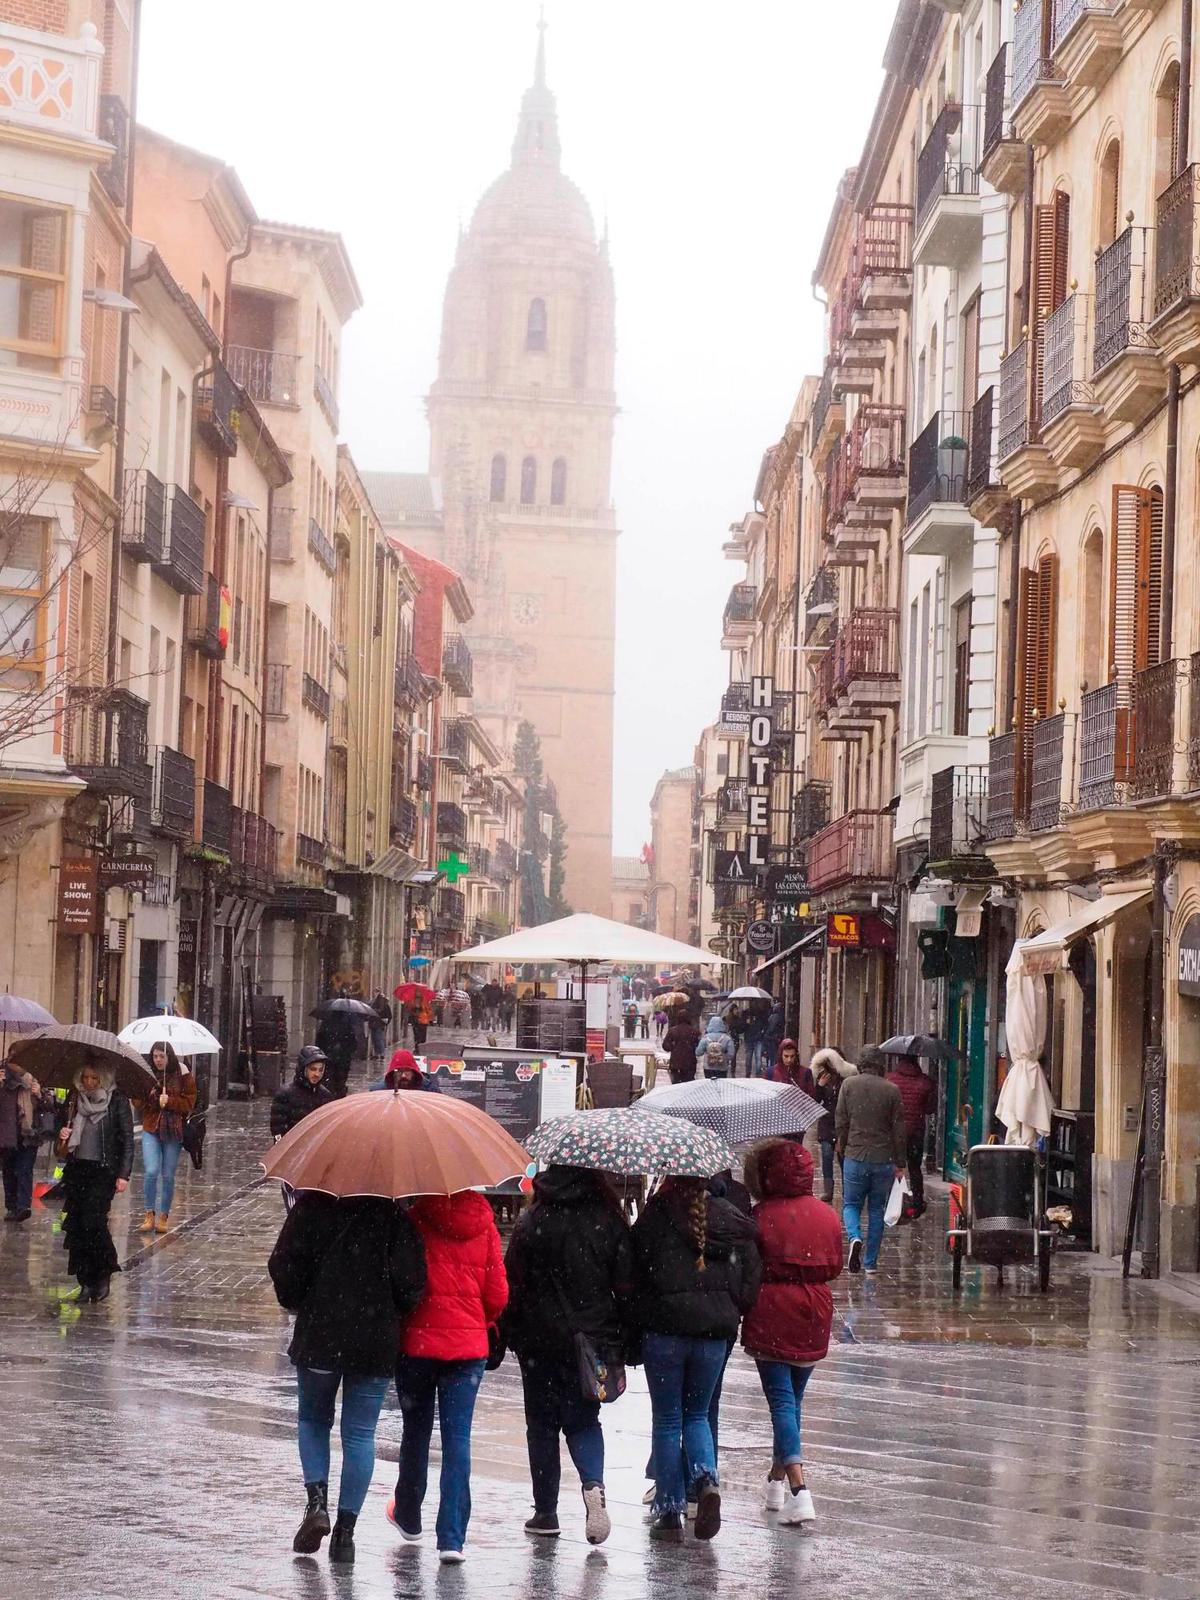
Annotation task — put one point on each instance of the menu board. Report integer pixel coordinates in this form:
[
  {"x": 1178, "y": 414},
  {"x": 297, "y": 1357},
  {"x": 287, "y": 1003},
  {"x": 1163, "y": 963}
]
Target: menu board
[
  {"x": 518, "y": 1092},
  {"x": 553, "y": 1026}
]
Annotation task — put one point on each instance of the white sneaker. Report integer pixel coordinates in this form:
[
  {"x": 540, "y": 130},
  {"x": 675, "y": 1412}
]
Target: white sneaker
[
  {"x": 691, "y": 1511},
  {"x": 648, "y": 1497},
  {"x": 798, "y": 1508},
  {"x": 451, "y": 1558},
  {"x": 598, "y": 1525},
  {"x": 774, "y": 1497}
]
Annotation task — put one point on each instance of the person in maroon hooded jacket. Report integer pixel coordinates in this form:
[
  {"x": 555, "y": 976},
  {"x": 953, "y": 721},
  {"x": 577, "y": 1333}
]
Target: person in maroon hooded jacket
[
  {"x": 789, "y": 1068},
  {"x": 787, "y": 1332},
  {"x": 918, "y": 1092}
]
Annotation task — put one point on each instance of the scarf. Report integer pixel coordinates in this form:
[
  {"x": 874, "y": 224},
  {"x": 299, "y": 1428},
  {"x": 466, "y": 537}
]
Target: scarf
[
  {"x": 170, "y": 1123},
  {"x": 90, "y": 1109}
]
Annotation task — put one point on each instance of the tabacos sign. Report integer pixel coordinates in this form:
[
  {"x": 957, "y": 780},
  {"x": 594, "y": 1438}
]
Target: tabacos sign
[{"x": 759, "y": 735}]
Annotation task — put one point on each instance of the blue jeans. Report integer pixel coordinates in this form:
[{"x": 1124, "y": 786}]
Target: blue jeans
[
  {"x": 869, "y": 1181},
  {"x": 453, "y": 1385},
  {"x": 361, "y": 1402},
  {"x": 160, "y": 1157},
  {"x": 17, "y": 1166},
  {"x": 784, "y": 1388},
  {"x": 681, "y": 1375},
  {"x": 714, "y": 1420},
  {"x": 758, "y": 1058},
  {"x": 554, "y": 1404}
]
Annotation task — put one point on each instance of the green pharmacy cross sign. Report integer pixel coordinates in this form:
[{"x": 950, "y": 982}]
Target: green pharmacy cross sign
[{"x": 454, "y": 867}]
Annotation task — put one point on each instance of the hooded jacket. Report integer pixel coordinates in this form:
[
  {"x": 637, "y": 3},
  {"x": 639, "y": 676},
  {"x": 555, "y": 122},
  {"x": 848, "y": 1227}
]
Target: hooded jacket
[
  {"x": 466, "y": 1288},
  {"x": 350, "y": 1270},
  {"x": 717, "y": 1033},
  {"x": 801, "y": 1243},
  {"x": 800, "y": 1075},
  {"x": 570, "y": 1268},
  {"x": 918, "y": 1093},
  {"x": 293, "y": 1103},
  {"x": 674, "y": 1295},
  {"x": 680, "y": 1041}
]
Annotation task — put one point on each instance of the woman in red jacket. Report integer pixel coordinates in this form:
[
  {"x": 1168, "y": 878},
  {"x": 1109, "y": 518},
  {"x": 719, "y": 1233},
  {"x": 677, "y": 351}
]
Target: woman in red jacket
[
  {"x": 788, "y": 1068},
  {"x": 443, "y": 1350},
  {"x": 787, "y": 1332}
]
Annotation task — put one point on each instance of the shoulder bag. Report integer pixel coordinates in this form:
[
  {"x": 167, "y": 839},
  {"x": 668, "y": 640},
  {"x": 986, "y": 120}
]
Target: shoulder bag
[{"x": 599, "y": 1379}]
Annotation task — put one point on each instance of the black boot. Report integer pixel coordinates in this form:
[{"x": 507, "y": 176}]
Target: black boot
[
  {"x": 100, "y": 1292},
  {"x": 316, "y": 1520},
  {"x": 341, "y": 1546}
]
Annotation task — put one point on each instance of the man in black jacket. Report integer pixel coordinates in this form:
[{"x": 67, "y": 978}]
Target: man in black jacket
[{"x": 305, "y": 1093}]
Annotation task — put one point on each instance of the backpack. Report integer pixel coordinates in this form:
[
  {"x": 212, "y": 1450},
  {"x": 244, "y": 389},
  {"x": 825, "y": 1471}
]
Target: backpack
[{"x": 714, "y": 1052}]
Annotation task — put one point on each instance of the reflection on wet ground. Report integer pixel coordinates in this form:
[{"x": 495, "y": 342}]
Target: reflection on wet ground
[{"x": 1000, "y": 1443}]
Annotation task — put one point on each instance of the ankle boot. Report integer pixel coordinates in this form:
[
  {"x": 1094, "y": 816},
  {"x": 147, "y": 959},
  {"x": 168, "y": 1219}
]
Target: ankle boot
[
  {"x": 316, "y": 1520},
  {"x": 147, "y": 1223},
  {"x": 163, "y": 1223},
  {"x": 341, "y": 1546}
]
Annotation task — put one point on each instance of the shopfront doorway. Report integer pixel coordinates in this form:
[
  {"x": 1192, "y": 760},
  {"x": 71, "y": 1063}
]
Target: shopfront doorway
[{"x": 966, "y": 1076}]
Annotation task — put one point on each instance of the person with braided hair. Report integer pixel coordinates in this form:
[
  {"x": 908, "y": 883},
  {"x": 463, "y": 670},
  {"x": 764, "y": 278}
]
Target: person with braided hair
[{"x": 697, "y": 1272}]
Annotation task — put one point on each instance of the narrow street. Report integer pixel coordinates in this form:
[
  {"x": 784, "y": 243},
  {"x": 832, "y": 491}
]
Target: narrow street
[{"x": 999, "y": 1444}]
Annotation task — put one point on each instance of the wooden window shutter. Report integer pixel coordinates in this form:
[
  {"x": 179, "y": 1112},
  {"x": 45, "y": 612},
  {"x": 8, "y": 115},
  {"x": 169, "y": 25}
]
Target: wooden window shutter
[
  {"x": 1130, "y": 547},
  {"x": 1051, "y": 242},
  {"x": 1045, "y": 634},
  {"x": 1149, "y": 641}
]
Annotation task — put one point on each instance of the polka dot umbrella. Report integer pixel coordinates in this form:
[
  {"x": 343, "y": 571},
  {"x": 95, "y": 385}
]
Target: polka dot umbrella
[
  {"x": 630, "y": 1142},
  {"x": 738, "y": 1110}
]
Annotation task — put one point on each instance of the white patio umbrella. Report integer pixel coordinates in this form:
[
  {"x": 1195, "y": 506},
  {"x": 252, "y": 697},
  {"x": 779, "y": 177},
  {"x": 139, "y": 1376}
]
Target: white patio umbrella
[
  {"x": 585, "y": 939},
  {"x": 1024, "y": 1104},
  {"x": 185, "y": 1036}
]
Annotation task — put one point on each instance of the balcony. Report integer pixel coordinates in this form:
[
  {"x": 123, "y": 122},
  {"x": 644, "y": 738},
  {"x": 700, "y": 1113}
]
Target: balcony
[
  {"x": 485, "y": 797},
  {"x": 275, "y": 689},
  {"x": 938, "y": 521},
  {"x": 310, "y": 852},
  {"x": 268, "y": 376},
  {"x": 828, "y": 418},
  {"x": 858, "y": 679},
  {"x": 1157, "y": 706},
  {"x": 882, "y": 267},
  {"x": 315, "y": 696},
  {"x": 479, "y": 858},
  {"x": 144, "y": 522},
  {"x": 106, "y": 742},
  {"x": 323, "y": 390},
  {"x": 204, "y": 621},
  {"x": 1026, "y": 468},
  {"x": 403, "y": 820},
  {"x": 451, "y": 823},
  {"x": 319, "y": 544},
  {"x": 1040, "y": 101},
  {"x": 456, "y": 742},
  {"x": 820, "y": 605},
  {"x": 987, "y": 497},
  {"x": 1046, "y": 746},
  {"x": 732, "y": 799},
  {"x": 504, "y": 861},
  {"x": 810, "y": 810},
  {"x": 216, "y": 409},
  {"x": 282, "y": 532},
  {"x": 1086, "y": 41},
  {"x": 1004, "y": 160},
  {"x": 182, "y": 563},
  {"x": 253, "y": 851},
  {"x": 424, "y": 774},
  {"x": 217, "y": 826},
  {"x": 1072, "y": 422},
  {"x": 1005, "y": 791},
  {"x": 737, "y": 622},
  {"x": 949, "y": 219},
  {"x": 173, "y": 805},
  {"x": 112, "y": 125},
  {"x": 856, "y": 849},
  {"x": 456, "y": 664},
  {"x": 449, "y": 910},
  {"x": 875, "y": 465},
  {"x": 1176, "y": 324},
  {"x": 1105, "y": 746},
  {"x": 1127, "y": 369},
  {"x": 410, "y": 682},
  {"x": 958, "y": 814}
]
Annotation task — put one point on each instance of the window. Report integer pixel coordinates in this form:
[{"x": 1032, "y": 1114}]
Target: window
[
  {"x": 1166, "y": 128},
  {"x": 1091, "y": 673},
  {"x": 558, "y": 482},
  {"x": 22, "y": 613},
  {"x": 1108, "y": 224},
  {"x": 970, "y": 353},
  {"x": 32, "y": 276},
  {"x": 535, "y": 326},
  {"x": 962, "y": 667},
  {"x": 528, "y": 481},
  {"x": 499, "y": 478}
]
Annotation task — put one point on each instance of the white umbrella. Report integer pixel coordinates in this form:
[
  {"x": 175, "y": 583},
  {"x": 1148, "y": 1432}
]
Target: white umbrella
[
  {"x": 1024, "y": 1104},
  {"x": 750, "y": 991},
  {"x": 585, "y": 938},
  {"x": 185, "y": 1036}
]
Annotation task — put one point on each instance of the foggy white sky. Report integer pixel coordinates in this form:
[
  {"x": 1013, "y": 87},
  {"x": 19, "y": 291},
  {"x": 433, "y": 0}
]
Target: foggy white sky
[{"x": 712, "y": 136}]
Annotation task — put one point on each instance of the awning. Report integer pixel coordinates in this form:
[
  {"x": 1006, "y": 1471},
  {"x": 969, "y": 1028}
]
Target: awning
[
  {"x": 1046, "y": 952},
  {"x": 396, "y": 864},
  {"x": 792, "y": 949}
]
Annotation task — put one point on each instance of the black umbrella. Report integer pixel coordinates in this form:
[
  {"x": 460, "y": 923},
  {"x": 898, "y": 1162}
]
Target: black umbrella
[
  {"x": 55, "y": 1055},
  {"x": 925, "y": 1045},
  {"x": 344, "y": 1004}
]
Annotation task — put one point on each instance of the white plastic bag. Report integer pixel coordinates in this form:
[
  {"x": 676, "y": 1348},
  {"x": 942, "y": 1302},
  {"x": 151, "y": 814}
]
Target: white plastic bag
[{"x": 894, "y": 1209}]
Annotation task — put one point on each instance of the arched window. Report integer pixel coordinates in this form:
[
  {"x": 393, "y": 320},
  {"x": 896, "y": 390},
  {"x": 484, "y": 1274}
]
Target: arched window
[
  {"x": 1109, "y": 221},
  {"x": 535, "y": 325},
  {"x": 499, "y": 477},
  {"x": 558, "y": 482},
  {"x": 1092, "y": 671},
  {"x": 1166, "y": 128},
  {"x": 528, "y": 481}
]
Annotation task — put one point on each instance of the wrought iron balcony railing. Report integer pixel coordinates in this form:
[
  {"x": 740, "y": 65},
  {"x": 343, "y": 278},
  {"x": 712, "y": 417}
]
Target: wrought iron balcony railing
[
  {"x": 1123, "y": 295},
  {"x": 456, "y": 743},
  {"x": 315, "y": 695},
  {"x": 449, "y": 908},
  {"x": 217, "y": 825},
  {"x": 107, "y": 743},
  {"x": 174, "y": 799},
  {"x": 144, "y": 522},
  {"x": 321, "y": 547},
  {"x": 948, "y": 164},
  {"x": 732, "y": 799},
  {"x": 216, "y": 409},
  {"x": 1014, "y": 399},
  {"x": 253, "y": 849},
  {"x": 980, "y": 456},
  {"x": 1047, "y": 742},
  {"x": 204, "y": 621},
  {"x": 268, "y": 376},
  {"x": 1105, "y": 746},
  {"x": 855, "y": 848},
  {"x": 451, "y": 822},
  {"x": 739, "y": 608},
  {"x": 112, "y": 125},
  {"x": 882, "y": 249},
  {"x": 182, "y": 563},
  {"x": 1177, "y": 243},
  {"x": 997, "y": 129},
  {"x": 958, "y": 813},
  {"x": 937, "y": 463},
  {"x": 1005, "y": 788},
  {"x": 404, "y": 820},
  {"x": 1031, "y": 65},
  {"x": 457, "y": 669},
  {"x": 310, "y": 852},
  {"x": 1064, "y": 363},
  {"x": 810, "y": 809},
  {"x": 323, "y": 390},
  {"x": 820, "y": 602}
]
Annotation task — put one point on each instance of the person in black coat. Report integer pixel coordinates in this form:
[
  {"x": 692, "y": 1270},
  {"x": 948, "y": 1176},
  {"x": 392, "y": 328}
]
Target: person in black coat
[
  {"x": 570, "y": 1271},
  {"x": 337, "y": 1037},
  {"x": 351, "y": 1270},
  {"x": 97, "y": 1148},
  {"x": 306, "y": 1092},
  {"x": 698, "y": 1271}
]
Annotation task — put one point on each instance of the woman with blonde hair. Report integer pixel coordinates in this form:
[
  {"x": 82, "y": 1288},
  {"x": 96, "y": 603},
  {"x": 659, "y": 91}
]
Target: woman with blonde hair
[
  {"x": 97, "y": 1146},
  {"x": 697, "y": 1272}
]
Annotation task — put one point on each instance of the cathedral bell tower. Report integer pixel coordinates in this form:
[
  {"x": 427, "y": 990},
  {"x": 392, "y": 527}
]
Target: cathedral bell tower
[{"x": 521, "y": 423}]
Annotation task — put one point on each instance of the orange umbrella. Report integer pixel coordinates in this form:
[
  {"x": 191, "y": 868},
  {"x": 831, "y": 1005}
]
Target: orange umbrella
[{"x": 393, "y": 1145}]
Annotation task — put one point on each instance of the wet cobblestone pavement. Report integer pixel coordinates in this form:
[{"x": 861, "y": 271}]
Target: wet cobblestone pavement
[{"x": 1003, "y": 1443}]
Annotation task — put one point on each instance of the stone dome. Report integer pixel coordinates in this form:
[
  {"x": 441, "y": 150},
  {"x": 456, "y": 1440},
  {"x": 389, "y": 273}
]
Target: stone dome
[{"x": 534, "y": 198}]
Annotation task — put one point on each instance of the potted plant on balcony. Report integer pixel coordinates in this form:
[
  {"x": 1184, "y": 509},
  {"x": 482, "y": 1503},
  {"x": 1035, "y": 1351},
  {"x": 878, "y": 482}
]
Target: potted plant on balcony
[{"x": 952, "y": 466}]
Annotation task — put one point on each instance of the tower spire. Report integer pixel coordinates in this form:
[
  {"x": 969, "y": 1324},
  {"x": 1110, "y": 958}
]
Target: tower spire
[{"x": 537, "y": 125}]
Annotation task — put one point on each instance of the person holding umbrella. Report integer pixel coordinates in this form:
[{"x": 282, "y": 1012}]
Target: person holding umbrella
[
  {"x": 918, "y": 1093},
  {"x": 163, "y": 1112},
  {"x": 337, "y": 1036},
  {"x": 350, "y": 1269},
  {"x": 97, "y": 1148},
  {"x": 18, "y": 1139}
]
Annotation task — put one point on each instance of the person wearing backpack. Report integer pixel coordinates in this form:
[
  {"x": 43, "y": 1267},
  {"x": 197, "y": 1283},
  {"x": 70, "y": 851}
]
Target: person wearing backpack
[{"x": 715, "y": 1052}]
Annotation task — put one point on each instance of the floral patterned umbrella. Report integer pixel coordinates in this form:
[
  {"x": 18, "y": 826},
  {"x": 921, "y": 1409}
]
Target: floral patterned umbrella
[
  {"x": 630, "y": 1142},
  {"x": 738, "y": 1110}
]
